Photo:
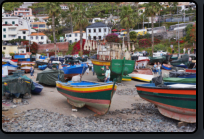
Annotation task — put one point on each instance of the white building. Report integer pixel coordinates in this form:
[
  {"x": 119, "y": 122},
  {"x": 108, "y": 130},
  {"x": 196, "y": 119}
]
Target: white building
[
  {"x": 9, "y": 28},
  {"x": 64, "y": 7},
  {"x": 186, "y": 6},
  {"x": 92, "y": 21},
  {"x": 29, "y": 18},
  {"x": 75, "y": 36},
  {"x": 141, "y": 10},
  {"x": 97, "y": 31},
  {"x": 38, "y": 38}
]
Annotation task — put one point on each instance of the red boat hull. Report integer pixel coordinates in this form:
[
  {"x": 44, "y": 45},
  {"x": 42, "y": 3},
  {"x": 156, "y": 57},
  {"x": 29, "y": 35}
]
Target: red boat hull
[{"x": 191, "y": 70}]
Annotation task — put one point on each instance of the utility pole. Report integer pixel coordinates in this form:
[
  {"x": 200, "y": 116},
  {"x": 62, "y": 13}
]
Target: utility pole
[
  {"x": 178, "y": 36},
  {"x": 29, "y": 33},
  {"x": 143, "y": 21}
]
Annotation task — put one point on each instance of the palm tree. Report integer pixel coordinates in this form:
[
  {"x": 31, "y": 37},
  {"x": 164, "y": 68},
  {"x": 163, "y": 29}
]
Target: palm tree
[
  {"x": 80, "y": 19},
  {"x": 152, "y": 8},
  {"x": 53, "y": 9},
  {"x": 128, "y": 19},
  {"x": 118, "y": 4},
  {"x": 71, "y": 8},
  {"x": 172, "y": 5}
]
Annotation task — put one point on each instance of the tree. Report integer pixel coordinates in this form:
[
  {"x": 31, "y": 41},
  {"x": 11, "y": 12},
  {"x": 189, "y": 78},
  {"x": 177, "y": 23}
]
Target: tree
[
  {"x": 10, "y": 6},
  {"x": 152, "y": 8},
  {"x": 36, "y": 19},
  {"x": 53, "y": 9},
  {"x": 80, "y": 19},
  {"x": 172, "y": 5},
  {"x": 193, "y": 34},
  {"x": 133, "y": 36},
  {"x": 128, "y": 19}
]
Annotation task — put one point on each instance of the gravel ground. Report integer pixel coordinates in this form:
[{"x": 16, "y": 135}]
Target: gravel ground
[{"x": 41, "y": 120}]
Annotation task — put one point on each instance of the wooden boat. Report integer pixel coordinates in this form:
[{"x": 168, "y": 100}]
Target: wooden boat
[
  {"x": 126, "y": 78},
  {"x": 70, "y": 71},
  {"x": 142, "y": 75},
  {"x": 26, "y": 65},
  {"x": 142, "y": 60},
  {"x": 166, "y": 66},
  {"x": 159, "y": 59},
  {"x": 9, "y": 65},
  {"x": 38, "y": 88},
  {"x": 190, "y": 70},
  {"x": 178, "y": 101},
  {"x": 180, "y": 80},
  {"x": 95, "y": 96}
]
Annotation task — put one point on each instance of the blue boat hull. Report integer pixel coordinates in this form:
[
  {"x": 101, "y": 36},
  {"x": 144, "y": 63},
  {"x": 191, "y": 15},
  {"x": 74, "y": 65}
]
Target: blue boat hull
[
  {"x": 166, "y": 68},
  {"x": 38, "y": 88},
  {"x": 188, "y": 76},
  {"x": 171, "y": 83},
  {"x": 182, "y": 66},
  {"x": 71, "y": 71}
]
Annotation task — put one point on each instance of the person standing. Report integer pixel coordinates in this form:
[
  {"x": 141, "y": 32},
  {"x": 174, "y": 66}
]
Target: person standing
[
  {"x": 107, "y": 74},
  {"x": 172, "y": 51},
  {"x": 143, "y": 65},
  {"x": 136, "y": 66},
  {"x": 87, "y": 71},
  {"x": 159, "y": 68},
  {"x": 184, "y": 50},
  {"x": 189, "y": 50},
  {"x": 50, "y": 65},
  {"x": 60, "y": 66},
  {"x": 31, "y": 71},
  {"x": 155, "y": 68},
  {"x": 93, "y": 70}
]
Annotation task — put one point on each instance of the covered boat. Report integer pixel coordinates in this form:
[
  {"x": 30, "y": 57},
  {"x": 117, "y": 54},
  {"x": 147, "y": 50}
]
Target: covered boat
[
  {"x": 95, "y": 96},
  {"x": 142, "y": 60},
  {"x": 166, "y": 66},
  {"x": 70, "y": 71},
  {"x": 142, "y": 75},
  {"x": 38, "y": 88},
  {"x": 182, "y": 74},
  {"x": 10, "y": 68},
  {"x": 159, "y": 59},
  {"x": 182, "y": 62},
  {"x": 180, "y": 80},
  {"x": 49, "y": 76},
  {"x": 26, "y": 65},
  {"x": 176, "y": 101}
]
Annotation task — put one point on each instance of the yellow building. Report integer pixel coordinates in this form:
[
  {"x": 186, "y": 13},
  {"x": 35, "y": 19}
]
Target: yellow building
[
  {"x": 39, "y": 25},
  {"x": 141, "y": 31},
  {"x": 9, "y": 49}
]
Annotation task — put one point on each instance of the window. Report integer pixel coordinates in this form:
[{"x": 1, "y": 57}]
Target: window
[
  {"x": 35, "y": 25},
  {"x": 99, "y": 37},
  {"x": 6, "y": 22},
  {"x": 89, "y": 30},
  {"x": 13, "y": 22},
  {"x": 29, "y": 17},
  {"x": 36, "y": 37},
  {"x": 4, "y": 29},
  {"x": 70, "y": 35},
  {"x": 24, "y": 32},
  {"x": 4, "y": 48},
  {"x": 94, "y": 30},
  {"x": 24, "y": 37},
  {"x": 11, "y": 29},
  {"x": 15, "y": 13},
  {"x": 19, "y": 37},
  {"x": 75, "y": 40},
  {"x": 70, "y": 41},
  {"x": 4, "y": 36},
  {"x": 75, "y": 34},
  {"x": 67, "y": 35},
  {"x": 31, "y": 38},
  {"x": 42, "y": 37},
  {"x": 94, "y": 37},
  {"x": 99, "y": 30},
  {"x": 42, "y": 26},
  {"x": 104, "y": 29}
]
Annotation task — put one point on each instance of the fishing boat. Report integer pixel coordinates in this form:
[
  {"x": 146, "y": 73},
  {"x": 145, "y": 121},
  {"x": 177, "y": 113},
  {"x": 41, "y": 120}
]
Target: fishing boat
[
  {"x": 159, "y": 59},
  {"x": 113, "y": 55},
  {"x": 95, "y": 96},
  {"x": 42, "y": 67},
  {"x": 175, "y": 80},
  {"x": 38, "y": 88},
  {"x": 50, "y": 76},
  {"x": 182, "y": 74},
  {"x": 142, "y": 75},
  {"x": 182, "y": 62},
  {"x": 142, "y": 60},
  {"x": 126, "y": 78},
  {"x": 191, "y": 70},
  {"x": 26, "y": 65},
  {"x": 166, "y": 66},
  {"x": 176, "y": 101},
  {"x": 70, "y": 71}
]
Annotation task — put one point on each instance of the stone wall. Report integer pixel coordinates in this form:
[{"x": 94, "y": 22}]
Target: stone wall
[{"x": 174, "y": 33}]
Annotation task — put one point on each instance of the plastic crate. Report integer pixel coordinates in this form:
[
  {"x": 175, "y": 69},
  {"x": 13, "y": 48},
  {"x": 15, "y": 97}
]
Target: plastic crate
[{"x": 19, "y": 56}]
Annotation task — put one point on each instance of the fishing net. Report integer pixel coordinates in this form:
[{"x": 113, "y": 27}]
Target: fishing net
[
  {"x": 157, "y": 80},
  {"x": 177, "y": 73}
]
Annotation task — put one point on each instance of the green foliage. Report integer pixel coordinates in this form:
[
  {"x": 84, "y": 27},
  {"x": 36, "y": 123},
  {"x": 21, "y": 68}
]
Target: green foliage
[
  {"x": 160, "y": 47},
  {"x": 3, "y": 52},
  {"x": 188, "y": 32},
  {"x": 11, "y": 54},
  {"x": 133, "y": 35},
  {"x": 147, "y": 35},
  {"x": 9, "y": 6},
  {"x": 60, "y": 54},
  {"x": 168, "y": 24},
  {"x": 16, "y": 40},
  {"x": 36, "y": 19},
  {"x": 43, "y": 54}
]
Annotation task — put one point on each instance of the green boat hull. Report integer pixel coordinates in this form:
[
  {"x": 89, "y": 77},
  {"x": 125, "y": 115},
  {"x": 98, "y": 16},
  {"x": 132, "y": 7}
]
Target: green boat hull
[
  {"x": 157, "y": 59},
  {"x": 180, "y": 80}
]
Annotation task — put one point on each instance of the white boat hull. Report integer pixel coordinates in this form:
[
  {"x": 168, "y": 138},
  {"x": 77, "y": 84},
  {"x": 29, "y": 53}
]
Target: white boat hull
[
  {"x": 141, "y": 77},
  {"x": 140, "y": 62}
]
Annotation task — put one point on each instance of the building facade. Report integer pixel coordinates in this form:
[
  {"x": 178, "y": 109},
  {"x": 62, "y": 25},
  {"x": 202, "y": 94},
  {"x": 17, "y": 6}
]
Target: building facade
[
  {"x": 22, "y": 12},
  {"x": 75, "y": 36},
  {"x": 39, "y": 25},
  {"x": 40, "y": 38},
  {"x": 97, "y": 31}
]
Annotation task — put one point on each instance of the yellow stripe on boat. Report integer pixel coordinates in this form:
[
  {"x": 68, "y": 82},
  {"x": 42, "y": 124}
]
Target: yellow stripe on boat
[
  {"x": 100, "y": 63},
  {"x": 126, "y": 79},
  {"x": 141, "y": 79},
  {"x": 85, "y": 89}
]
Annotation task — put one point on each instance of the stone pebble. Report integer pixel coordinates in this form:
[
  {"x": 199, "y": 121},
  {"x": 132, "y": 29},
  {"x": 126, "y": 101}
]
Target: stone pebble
[{"x": 150, "y": 120}]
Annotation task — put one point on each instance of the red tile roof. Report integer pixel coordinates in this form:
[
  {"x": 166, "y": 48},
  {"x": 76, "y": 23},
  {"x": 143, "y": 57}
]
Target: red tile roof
[{"x": 63, "y": 46}]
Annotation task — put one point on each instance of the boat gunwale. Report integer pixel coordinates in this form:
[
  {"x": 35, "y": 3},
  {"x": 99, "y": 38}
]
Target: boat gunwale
[{"x": 140, "y": 85}]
